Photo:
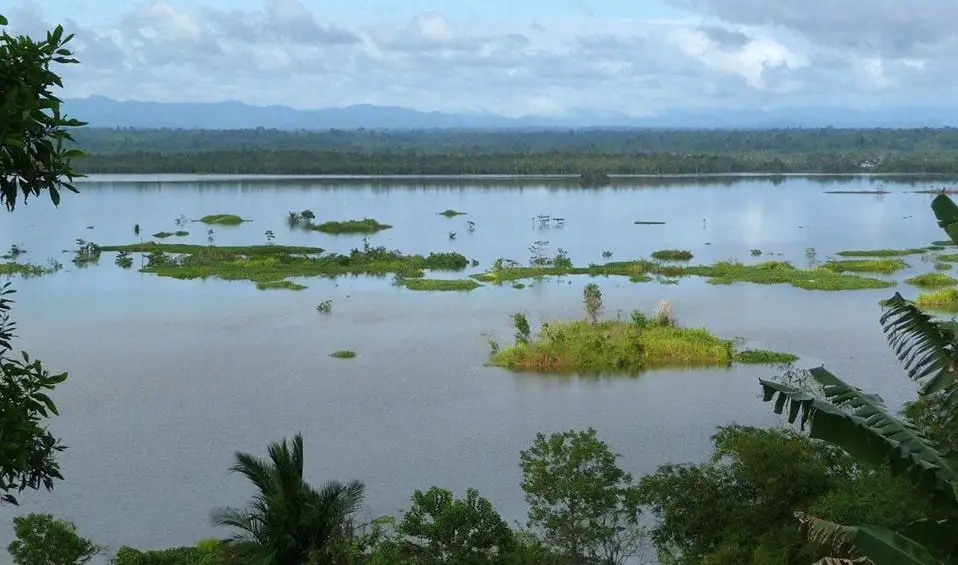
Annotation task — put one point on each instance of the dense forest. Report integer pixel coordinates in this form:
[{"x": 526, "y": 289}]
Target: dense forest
[{"x": 504, "y": 152}]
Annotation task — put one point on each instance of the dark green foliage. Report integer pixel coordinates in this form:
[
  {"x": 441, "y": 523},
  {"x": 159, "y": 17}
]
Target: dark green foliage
[
  {"x": 35, "y": 148},
  {"x": 45, "y": 540},
  {"x": 585, "y": 505},
  {"x": 523, "y": 331},
  {"x": 450, "y": 213},
  {"x": 764, "y": 357},
  {"x": 592, "y": 300},
  {"x": 86, "y": 253},
  {"x": 367, "y": 225},
  {"x": 343, "y": 354},
  {"x": 672, "y": 255},
  {"x": 210, "y": 552},
  {"x": 738, "y": 508},
  {"x": 440, "y": 529},
  {"x": 222, "y": 220}
]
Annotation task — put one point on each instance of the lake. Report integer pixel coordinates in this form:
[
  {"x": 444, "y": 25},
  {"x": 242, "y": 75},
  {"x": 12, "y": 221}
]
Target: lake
[{"x": 168, "y": 377}]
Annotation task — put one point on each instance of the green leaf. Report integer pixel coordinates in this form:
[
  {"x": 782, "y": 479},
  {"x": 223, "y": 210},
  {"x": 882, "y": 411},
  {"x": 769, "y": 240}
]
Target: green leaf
[
  {"x": 925, "y": 346},
  {"x": 3, "y": 21},
  {"x": 880, "y": 546},
  {"x": 861, "y": 425},
  {"x": 947, "y": 213}
]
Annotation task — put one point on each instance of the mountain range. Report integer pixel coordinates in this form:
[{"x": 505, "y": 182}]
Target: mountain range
[{"x": 100, "y": 111}]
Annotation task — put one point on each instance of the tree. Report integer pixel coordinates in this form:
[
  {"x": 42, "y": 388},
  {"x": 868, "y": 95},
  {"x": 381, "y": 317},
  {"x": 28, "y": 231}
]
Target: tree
[
  {"x": 585, "y": 505},
  {"x": 288, "y": 522},
  {"x": 45, "y": 540},
  {"x": 592, "y": 298},
  {"x": 860, "y": 424},
  {"x": 33, "y": 159},
  {"x": 34, "y": 154},
  {"x": 440, "y": 529}
]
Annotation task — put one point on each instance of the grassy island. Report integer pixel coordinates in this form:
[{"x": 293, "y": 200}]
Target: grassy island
[
  {"x": 222, "y": 220},
  {"x": 343, "y": 354},
  {"x": 883, "y": 266},
  {"x": 882, "y": 253},
  {"x": 932, "y": 280},
  {"x": 166, "y": 234},
  {"x": 945, "y": 300},
  {"x": 365, "y": 226},
  {"x": 279, "y": 285},
  {"x": 450, "y": 213},
  {"x": 594, "y": 346},
  {"x": 672, "y": 255},
  {"x": 440, "y": 285}
]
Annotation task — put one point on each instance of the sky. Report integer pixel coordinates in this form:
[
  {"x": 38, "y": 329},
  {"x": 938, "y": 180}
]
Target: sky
[{"x": 510, "y": 57}]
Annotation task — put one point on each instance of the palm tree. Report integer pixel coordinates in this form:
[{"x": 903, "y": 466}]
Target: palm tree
[
  {"x": 288, "y": 522},
  {"x": 860, "y": 424}
]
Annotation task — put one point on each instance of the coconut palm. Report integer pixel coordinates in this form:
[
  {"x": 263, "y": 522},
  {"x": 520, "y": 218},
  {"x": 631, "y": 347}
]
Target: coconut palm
[
  {"x": 861, "y": 424},
  {"x": 288, "y": 521}
]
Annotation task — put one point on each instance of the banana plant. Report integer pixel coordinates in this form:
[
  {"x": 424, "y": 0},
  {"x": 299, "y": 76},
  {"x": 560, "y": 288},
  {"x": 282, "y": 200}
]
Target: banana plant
[{"x": 862, "y": 425}]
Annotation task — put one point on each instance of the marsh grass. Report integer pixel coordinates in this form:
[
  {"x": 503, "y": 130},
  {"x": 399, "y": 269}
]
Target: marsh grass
[
  {"x": 944, "y": 243},
  {"x": 166, "y": 234},
  {"x": 723, "y": 272},
  {"x": 932, "y": 280},
  {"x": 450, "y": 213},
  {"x": 672, "y": 255},
  {"x": 441, "y": 285},
  {"x": 28, "y": 270},
  {"x": 882, "y": 266},
  {"x": 280, "y": 285},
  {"x": 764, "y": 357},
  {"x": 949, "y": 257},
  {"x": 945, "y": 300},
  {"x": 265, "y": 263},
  {"x": 222, "y": 220},
  {"x": 325, "y": 307},
  {"x": 367, "y": 226},
  {"x": 940, "y": 266},
  {"x": 124, "y": 260},
  {"x": 882, "y": 253},
  {"x": 343, "y": 354}
]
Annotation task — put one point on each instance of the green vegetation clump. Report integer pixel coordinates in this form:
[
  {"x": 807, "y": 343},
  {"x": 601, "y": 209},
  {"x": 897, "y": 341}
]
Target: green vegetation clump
[
  {"x": 450, "y": 213},
  {"x": 280, "y": 285},
  {"x": 882, "y": 253},
  {"x": 949, "y": 257},
  {"x": 945, "y": 300},
  {"x": 932, "y": 280},
  {"x": 273, "y": 263},
  {"x": 672, "y": 255},
  {"x": 940, "y": 266},
  {"x": 367, "y": 225},
  {"x": 222, "y": 219},
  {"x": 643, "y": 223},
  {"x": 883, "y": 266},
  {"x": 27, "y": 270},
  {"x": 166, "y": 234},
  {"x": 343, "y": 354},
  {"x": 764, "y": 357},
  {"x": 464, "y": 285}
]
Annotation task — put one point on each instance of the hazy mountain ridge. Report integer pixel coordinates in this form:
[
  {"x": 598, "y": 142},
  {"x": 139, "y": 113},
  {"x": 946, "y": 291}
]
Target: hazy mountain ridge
[{"x": 106, "y": 112}]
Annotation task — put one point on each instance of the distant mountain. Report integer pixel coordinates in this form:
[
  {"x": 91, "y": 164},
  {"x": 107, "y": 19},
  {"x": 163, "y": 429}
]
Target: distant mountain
[{"x": 106, "y": 112}]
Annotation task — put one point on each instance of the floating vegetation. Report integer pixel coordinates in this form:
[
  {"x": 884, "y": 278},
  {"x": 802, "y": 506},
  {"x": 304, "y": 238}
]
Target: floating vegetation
[
  {"x": 270, "y": 263},
  {"x": 932, "y": 280},
  {"x": 14, "y": 252},
  {"x": 343, "y": 354},
  {"x": 723, "y": 272},
  {"x": 857, "y": 192},
  {"x": 124, "y": 260},
  {"x": 223, "y": 220},
  {"x": 279, "y": 285},
  {"x": 644, "y": 223},
  {"x": 943, "y": 243},
  {"x": 28, "y": 270},
  {"x": 367, "y": 225},
  {"x": 672, "y": 255},
  {"x": 883, "y": 266},
  {"x": 463, "y": 285},
  {"x": 764, "y": 357},
  {"x": 934, "y": 248},
  {"x": 86, "y": 253},
  {"x": 602, "y": 347},
  {"x": 166, "y": 234},
  {"x": 606, "y": 254},
  {"x": 945, "y": 300},
  {"x": 450, "y": 213},
  {"x": 882, "y": 253},
  {"x": 518, "y": 286},
  {"x": 756, "y": 252},
  {"x": 949, "y": 257},
  {"x": 943, "y": 266},
  {"x": 325, "y": 307}
]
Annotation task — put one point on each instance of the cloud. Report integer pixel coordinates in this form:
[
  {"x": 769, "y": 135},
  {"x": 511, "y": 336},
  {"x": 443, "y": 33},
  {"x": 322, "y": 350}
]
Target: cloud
[{"x": 727, "y": 53}]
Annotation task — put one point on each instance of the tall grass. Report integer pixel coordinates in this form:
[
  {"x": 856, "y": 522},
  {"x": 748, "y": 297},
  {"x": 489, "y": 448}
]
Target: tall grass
[
  {"x": 367, "y": 225},
  {"x": 932, "y": 280},
  {"x": 945, "y": 300}
]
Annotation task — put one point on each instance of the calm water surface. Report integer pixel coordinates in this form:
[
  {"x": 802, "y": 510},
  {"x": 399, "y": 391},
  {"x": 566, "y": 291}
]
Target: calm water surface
[{"x": 169, "y": 378}]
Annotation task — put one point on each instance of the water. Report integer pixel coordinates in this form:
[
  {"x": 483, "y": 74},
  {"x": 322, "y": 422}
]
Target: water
[{"x": 169, "y": 378}]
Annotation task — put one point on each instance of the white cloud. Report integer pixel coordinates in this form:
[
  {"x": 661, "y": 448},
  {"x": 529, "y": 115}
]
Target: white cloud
[{"x": 735, "y": 53}]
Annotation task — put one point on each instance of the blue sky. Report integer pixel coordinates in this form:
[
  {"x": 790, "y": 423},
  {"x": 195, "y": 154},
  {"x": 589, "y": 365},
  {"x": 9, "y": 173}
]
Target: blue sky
[{"x": 510, "y": 57}]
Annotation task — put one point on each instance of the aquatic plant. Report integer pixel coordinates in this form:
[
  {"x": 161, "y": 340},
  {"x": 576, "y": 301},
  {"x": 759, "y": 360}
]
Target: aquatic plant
[
  {"x": 166, "y": 234},
  {"x": 644, "y": 223},
  {"x": 28, "y": 270},
  {"x": 945, "y": 300},
  {"x": 124, "y": 260},
  {"x": 343, "y": 354},
  {"x": 537, "y": 253},
  {"x": 940, "y": 266},
  {"x": 606, "y": 254},
  {"x": 450, "y": 213},
  {"x": 366, "y": 225},
  {"x": 15, "y": 251},
  {"x": 592, "y": 300},
  {"x": 672, "y": 255},
  {"x": 86, "y": 253},
  {"x": 279, "y": 285},
  {"x": 325, "y": 307},
  {"x": 181, "y": 220},
  {"x": 764, "y": 357},
  {"x": 756, "y": 252},
  {"x": 518, "y": 286},
  {"x": 932, "y": 280},
  {"x": 441, "y": 285},
  {"x": 270, "y": 237},
  {"x": 523, "y": 331},
  {"x": 882, "y": 253},
  {"x": 884, "y": 266},
  {"x": 222, "y": 219}
]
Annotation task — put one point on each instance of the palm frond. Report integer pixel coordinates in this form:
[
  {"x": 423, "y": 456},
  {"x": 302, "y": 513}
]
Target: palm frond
[
  {"x": 258, "y": 471},
  {"x": 925, "y": 346},
  {"x": 876, "y": 545},
  {"x": 240, "y": 519},
  {"x": 861, "y": 425}
]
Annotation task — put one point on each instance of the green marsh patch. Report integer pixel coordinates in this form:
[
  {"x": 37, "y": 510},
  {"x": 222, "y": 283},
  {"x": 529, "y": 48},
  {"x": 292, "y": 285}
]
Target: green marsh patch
[
  {"x": 945, "y": 300},
  {"x": 940, "y": 266},
  {"x": 932, "y": 280},
  {"x": 881, "y": 253},
  {"x": 764, "y": 357},
  {"x": 279, "y": 285},
  {"x": 882, "y": 266},
  {"x": 672, "y": 255},
  {"x": 166, "y": 234},
  {"x": 450, "y": 213},
  {"x": 646, "y": 223},
  {"x": 27, "y": 270},
  {"x": 365, "y": 226},
  {"x": 222, "y": 220},
  {"x": 343, "y": 354},
  {"x": 440, "y": 285}
]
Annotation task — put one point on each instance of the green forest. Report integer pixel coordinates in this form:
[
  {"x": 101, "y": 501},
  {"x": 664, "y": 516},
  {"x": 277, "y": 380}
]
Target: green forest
[{"x": 517, "y": 152}]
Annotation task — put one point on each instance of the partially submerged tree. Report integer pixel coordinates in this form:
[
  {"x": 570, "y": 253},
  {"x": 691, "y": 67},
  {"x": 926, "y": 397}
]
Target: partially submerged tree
[
  {"x": 34, "y": 158},
  {"x": 861, "y": 424}
]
